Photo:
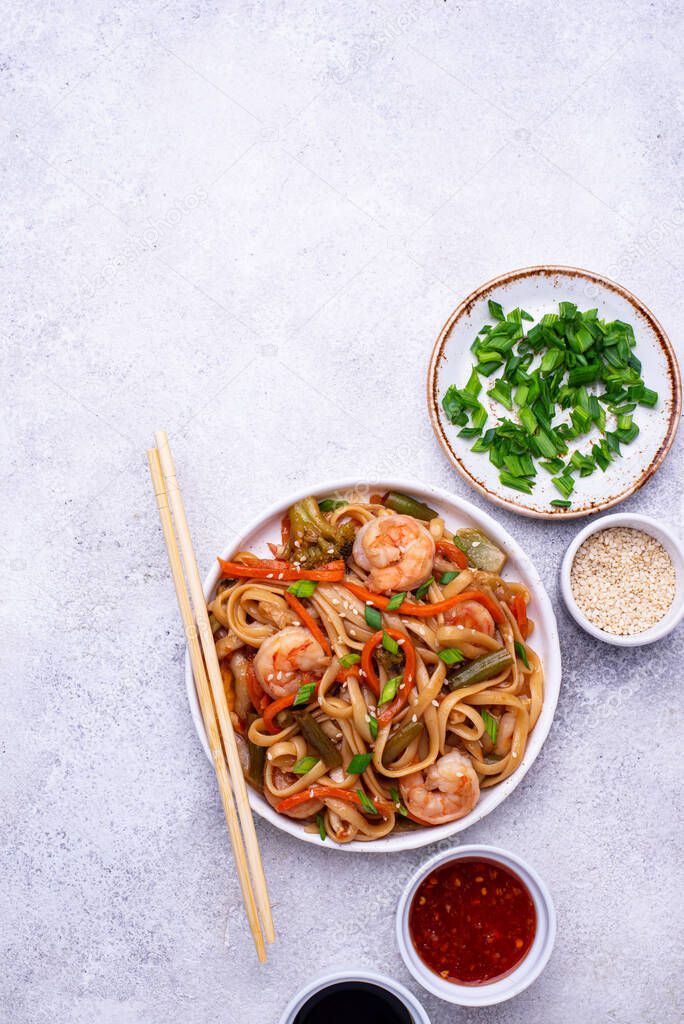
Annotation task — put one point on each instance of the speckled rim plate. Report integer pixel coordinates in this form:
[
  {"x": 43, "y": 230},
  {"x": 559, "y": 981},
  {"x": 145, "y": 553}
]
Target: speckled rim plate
[
  {"x": 456, "y": 512},
  {"x": 539, "y": 290}
]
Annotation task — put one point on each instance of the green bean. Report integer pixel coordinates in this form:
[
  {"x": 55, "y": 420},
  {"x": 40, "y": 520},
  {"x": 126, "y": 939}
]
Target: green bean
[
  {"x": 322, "y": 744},
  {"x": 397, "y": 744},
  {"x": 478, "y": 671},
  {"x": 407, "y": 506},
  {"x": 480, "y": 550},
  {"x": 257, "y": 758}
]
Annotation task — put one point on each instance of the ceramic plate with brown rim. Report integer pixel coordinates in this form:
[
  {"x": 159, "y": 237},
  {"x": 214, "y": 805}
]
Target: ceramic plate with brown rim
[{"x": 539, "y": 290}]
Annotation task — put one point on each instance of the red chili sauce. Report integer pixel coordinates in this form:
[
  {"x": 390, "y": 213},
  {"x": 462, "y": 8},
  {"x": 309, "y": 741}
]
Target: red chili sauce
[{"x": 472, "y": 921}]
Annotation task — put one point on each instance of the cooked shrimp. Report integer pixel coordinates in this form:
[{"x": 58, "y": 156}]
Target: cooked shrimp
[
  {"x": 472, "y": 615},
  {"x": 504, "y": 733},
  {"x": 398, "y": 551},
  {"x": 281, "y": 660},
  {"x": 448, "y": 790},
  {"x": 283, "y": 780}
]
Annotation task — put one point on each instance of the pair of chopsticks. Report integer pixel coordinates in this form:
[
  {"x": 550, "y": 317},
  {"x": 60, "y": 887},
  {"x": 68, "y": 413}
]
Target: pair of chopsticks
[{"x": 211, "y": 694}]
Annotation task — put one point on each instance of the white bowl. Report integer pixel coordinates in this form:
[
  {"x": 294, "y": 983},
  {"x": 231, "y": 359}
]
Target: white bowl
[
  {"x": 335, "y": 977},
  {"x": 545, "y": 641},
  {"x": 675, "y": 550},
  {"x": 527, "y": 971}
]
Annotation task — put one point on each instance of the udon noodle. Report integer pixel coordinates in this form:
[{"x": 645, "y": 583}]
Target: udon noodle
[{"x": 377, "y": 668}]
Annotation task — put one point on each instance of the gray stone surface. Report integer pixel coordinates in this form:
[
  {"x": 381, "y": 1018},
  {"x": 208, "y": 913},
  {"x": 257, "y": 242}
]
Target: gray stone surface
[{"x": 246, "y": 223}]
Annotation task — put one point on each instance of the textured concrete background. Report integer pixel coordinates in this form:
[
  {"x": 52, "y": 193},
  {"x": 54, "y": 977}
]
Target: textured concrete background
[{"x": 246, "y": 223}]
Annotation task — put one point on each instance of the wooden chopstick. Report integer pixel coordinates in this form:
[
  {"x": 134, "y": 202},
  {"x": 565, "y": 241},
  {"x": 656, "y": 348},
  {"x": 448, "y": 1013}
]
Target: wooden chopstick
[
  {"x": 220, "y": 703},
  {"x": 206, "y": 704}
]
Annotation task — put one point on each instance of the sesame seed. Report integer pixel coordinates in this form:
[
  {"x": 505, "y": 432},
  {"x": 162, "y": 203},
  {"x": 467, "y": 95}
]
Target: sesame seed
[{"x": 623, "y": 580}]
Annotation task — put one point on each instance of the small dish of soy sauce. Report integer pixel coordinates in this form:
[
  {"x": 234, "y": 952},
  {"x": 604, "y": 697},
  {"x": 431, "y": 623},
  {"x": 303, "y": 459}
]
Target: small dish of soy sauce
[{"x": 345, "y": 997}]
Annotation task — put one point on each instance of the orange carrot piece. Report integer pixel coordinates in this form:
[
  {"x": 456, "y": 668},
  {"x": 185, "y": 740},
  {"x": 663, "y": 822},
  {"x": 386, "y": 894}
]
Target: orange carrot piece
[
  {"x": 321, "y": 792},
  {"x": 424, "y": 611},
  {"x": 453, "y": 553},
  {"x": 275, "y": 569},
  {"x": 308, "y": 621}
]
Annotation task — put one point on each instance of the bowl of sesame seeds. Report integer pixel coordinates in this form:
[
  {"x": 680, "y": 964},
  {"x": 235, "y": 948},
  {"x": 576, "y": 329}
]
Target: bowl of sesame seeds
[{"x": 622, "y": 579}]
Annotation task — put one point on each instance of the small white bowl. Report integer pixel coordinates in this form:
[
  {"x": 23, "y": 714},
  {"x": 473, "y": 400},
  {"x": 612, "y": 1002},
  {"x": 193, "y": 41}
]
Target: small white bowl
[
  {"x": 527, "y": 971},
  {"x": 675, "y": 550},
  {"x": 329, "y": 978}
]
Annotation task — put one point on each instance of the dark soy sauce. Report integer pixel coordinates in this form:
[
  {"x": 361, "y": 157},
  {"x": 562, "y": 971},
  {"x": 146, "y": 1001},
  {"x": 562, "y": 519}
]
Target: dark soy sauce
[{"x": 353, "y": 1002}]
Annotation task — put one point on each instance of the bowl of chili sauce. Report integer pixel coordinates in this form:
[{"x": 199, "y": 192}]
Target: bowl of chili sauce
[{"x": 476, "y": 925}]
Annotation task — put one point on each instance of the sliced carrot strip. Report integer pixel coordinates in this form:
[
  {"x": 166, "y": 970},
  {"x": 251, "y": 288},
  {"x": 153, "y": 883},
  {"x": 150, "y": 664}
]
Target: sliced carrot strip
[
  {"x": 271, "y": 712},
  {"x": 453, "y": 553},
  {"x": 275, "y": 569},
  {"x": 520, "y": 612},
  {"x": 321, "y": 792},
  {"x": 424, "y": 611},
  {"x": 256, "y": 694},
  {"x": 409, "y": 652},
  {"x": 308, "y": 621}
]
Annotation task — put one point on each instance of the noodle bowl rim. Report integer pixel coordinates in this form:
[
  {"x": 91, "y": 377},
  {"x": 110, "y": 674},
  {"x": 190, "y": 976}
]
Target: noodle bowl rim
[{"x": 456, "y": 512}]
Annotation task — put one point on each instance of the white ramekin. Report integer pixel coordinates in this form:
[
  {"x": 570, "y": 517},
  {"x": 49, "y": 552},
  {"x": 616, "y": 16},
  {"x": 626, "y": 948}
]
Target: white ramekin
[
  {"x": 372, "y": 977},
  {"x": 675, "y": 550},
  {"x": 527, "y": 971}
]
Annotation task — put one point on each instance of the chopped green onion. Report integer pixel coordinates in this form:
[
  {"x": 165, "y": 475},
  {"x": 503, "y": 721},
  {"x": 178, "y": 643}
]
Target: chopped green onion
[
  {"x": 389, "y": 643},
  {"x": 304, "y": 765},
  {"x": 350, "y": 659},
  {"x": 389, "y": 690},
  {"x": 565, "y": 484},
  {"x": 496, "y": 310},
  {"x": 398, "y": 802},
  {"x": 450, "y": 655},
  {"x": 490, "y": 724},
  {"x": 373, "y": 726},
  {"x": 359, "y": 763},
  {"x": 423, "y": 589},
  {"x": 516, "y": 482},
  {"x": 528, "y": 419},
  {"x": 304, "y": 694},
  {"x": 302, "y": 588},
  {"x": 320, "y": 821},
  {"x": 366, "y": 802},
  {"x": 561, "y": 503},
  {"x": 395, "y": 602},
  {"x": 648, "y": 397},
  {"x": 520, "y": 648},
  {"x": 372, "y": 616},
  {"x": 330, "y": 504},
  {"x": 447, "y": 577}
]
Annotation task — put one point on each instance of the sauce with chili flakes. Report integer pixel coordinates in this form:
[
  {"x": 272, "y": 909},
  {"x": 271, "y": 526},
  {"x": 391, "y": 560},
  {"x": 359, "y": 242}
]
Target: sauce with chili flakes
[{"x": 472, "y": 921}]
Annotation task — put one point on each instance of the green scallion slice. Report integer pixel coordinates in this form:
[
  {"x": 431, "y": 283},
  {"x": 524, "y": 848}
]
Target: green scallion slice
[
  {"x": 490, "y": 724},
  {"x": 372, "y": 616},
  {"x": 389, "y": 643},
  {"x": 395, "y": 602},
  {"x": 423, "y": 589},
  {"x": 520, "y": 649},
  {"x": 366, "y": 802},
  {"x": 359, "y": 763},
  {"x": 350, "y": 659},
  {"x": 389, "y": 690},
  {"x": 373, "y": 726},
  {"x": 450, "y": 655},
  {"x": 398, "y": 802},
  {"x": 320, "y": 821},
  {"x": 304, "y": 765},
  {"x": 447, "y": 577},
  {"x": 304, "y": 694},
  {"x": 302, "y": 588}
]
